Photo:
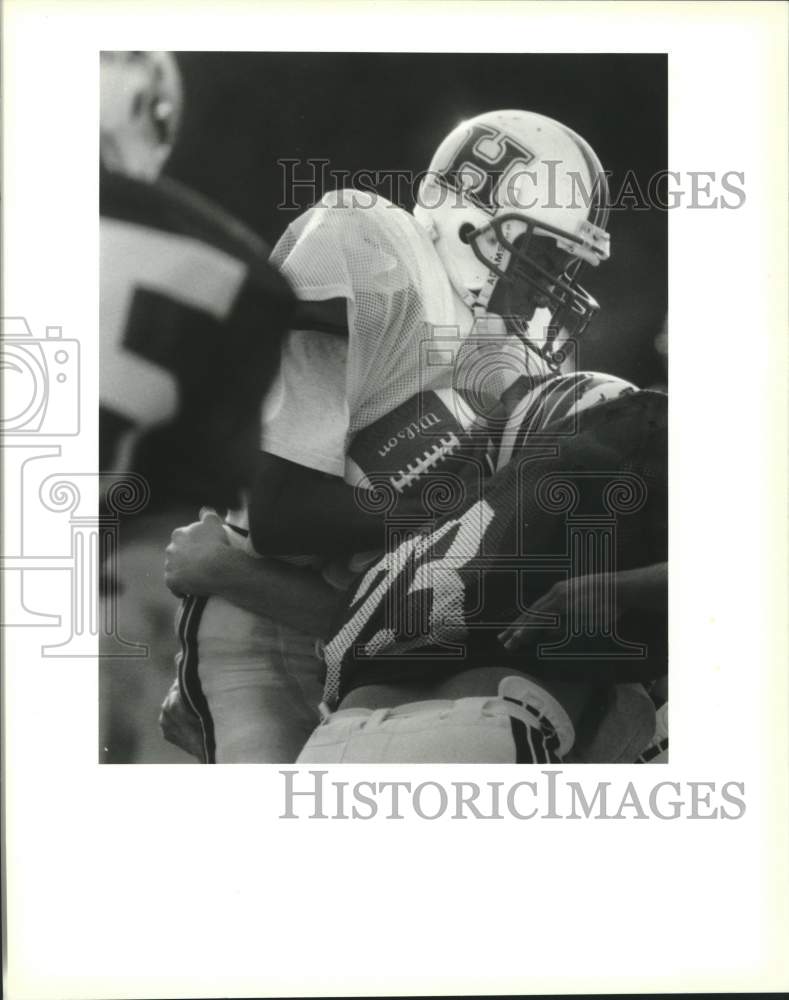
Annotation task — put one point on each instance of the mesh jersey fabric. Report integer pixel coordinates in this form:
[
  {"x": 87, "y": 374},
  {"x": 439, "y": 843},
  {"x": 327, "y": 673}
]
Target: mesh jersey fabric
[
  {"x": 305, "y": 413},
  {"x": 364, "y": 249}
]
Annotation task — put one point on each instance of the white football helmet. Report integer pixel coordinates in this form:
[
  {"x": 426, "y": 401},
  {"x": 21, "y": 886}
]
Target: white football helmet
[
  {"x": 516, "y": 203},
  {"x": 141, "y": 103}
]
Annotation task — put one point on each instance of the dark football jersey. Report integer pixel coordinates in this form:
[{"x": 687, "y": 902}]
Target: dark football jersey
[
  {"x": 191, "y": 319},
  {"x": 586, "y": 498}
]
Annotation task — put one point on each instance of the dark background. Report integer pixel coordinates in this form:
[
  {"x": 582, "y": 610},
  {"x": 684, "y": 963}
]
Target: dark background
[{"x": 382, "y": 111}]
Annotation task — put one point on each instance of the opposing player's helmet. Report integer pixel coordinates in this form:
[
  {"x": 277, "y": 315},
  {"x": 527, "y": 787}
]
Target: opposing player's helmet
[
  {"x": 516, "y": 203},
  {"x": 141, "y": 101}
]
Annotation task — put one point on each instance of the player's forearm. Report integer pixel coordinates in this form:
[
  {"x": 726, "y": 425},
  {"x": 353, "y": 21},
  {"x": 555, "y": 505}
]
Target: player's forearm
[
  {"x": 295, "y": 510},
  {"x": 325, "y": 518},
  {"x": 299, "y": 598}
]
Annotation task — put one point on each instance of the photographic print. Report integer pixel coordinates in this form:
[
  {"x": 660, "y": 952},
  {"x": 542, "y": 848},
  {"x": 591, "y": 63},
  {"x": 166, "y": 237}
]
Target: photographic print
[
  {"x": 342, "y": 443},
  {"x": 450, "y": 378}
]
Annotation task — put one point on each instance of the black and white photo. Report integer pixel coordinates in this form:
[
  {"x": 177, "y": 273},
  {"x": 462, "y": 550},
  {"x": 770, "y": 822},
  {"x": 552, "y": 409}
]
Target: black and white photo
[
  {"x": 393, "y": 407},
  {"x": 451, "y": 545}
]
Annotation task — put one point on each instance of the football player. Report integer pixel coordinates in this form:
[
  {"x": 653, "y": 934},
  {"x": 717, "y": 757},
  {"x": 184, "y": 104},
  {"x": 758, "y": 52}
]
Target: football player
[
  {"x": 418, "y": 625},
  {"x": 182, "y": 288},
  {"x": 511, "y": 209}
]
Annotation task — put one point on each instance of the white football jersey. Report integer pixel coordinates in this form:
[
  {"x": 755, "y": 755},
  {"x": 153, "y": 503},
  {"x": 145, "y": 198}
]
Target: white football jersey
[{"x": 360, "y": 247}]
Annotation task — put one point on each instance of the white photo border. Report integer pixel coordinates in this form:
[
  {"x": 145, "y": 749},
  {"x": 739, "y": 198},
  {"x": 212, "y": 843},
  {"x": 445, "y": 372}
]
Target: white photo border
[{"x": 172, "y": 881}]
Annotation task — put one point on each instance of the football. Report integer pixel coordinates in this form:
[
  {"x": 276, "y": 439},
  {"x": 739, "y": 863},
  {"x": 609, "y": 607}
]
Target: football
[{"x": 431, "y": 447}]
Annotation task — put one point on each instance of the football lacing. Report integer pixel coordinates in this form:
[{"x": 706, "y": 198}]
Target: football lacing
[{"x": 444, "y": 449}]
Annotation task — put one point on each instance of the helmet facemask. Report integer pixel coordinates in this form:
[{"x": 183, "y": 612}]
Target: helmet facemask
[{"x": 531, "y": 273}]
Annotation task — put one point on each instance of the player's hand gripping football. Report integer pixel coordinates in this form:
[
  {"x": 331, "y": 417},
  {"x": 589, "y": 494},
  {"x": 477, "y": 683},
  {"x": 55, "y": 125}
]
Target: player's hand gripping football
[{"x": 192, "y": 557}]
